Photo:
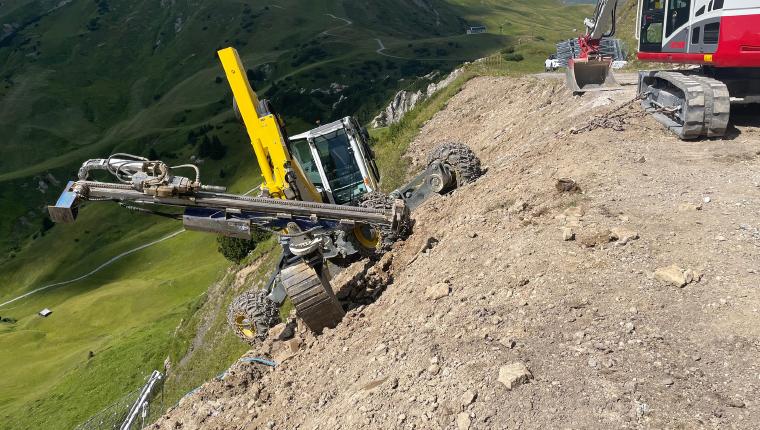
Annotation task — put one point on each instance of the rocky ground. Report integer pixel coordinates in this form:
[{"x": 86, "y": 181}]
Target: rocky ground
[{"x": 626, "y": 297}]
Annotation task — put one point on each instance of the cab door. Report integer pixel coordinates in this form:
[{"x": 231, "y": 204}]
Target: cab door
[
  {"x": 677, "y": 18},
  {"x": 652, "y": 25}
]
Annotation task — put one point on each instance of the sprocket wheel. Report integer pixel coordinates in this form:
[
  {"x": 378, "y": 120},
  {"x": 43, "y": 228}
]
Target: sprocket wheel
[
  {"x": 461, "y": 158},
  {"x": 252, "y": 314}
]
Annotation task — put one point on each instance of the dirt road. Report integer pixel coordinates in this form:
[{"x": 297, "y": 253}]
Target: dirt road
[{"x": 539, "y": 307}]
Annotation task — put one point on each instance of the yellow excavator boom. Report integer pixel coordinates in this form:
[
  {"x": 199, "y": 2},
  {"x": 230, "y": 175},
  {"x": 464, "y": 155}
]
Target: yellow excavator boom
[{"x": 283, "y": 176}]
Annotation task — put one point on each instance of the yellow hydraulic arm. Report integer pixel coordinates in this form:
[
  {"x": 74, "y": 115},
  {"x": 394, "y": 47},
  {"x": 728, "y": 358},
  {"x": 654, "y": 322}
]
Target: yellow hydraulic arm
[{"x": 283, "y": 176}]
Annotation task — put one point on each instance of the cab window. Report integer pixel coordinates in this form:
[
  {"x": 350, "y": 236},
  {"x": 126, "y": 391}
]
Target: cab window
[
  {"x": 301, "y": 152},
  {"x": 677, "y": 16},
  {"x": 652, "y": 25},
  {"x": 341, "y": 170}
]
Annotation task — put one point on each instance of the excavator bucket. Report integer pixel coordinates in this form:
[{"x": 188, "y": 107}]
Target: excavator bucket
[{"x": 584, "y": 75}]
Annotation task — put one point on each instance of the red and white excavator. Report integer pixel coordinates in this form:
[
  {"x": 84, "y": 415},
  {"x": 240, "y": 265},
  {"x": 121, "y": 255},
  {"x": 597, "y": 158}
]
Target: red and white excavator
[{"x": 720, "y": 38}]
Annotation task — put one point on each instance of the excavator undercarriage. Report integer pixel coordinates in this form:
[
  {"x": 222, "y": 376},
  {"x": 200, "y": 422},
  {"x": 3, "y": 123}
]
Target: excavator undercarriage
[
  {"x": 690, "y": 105},
  {"x": 715, "y": 45}
]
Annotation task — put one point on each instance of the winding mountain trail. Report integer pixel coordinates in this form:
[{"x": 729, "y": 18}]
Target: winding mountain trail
[
  {"x": 103, "y": 265},
  {"x": 95, "y": 270},
  {"x": 347, "y": 21},
  {"x": 381, "y": 48}
]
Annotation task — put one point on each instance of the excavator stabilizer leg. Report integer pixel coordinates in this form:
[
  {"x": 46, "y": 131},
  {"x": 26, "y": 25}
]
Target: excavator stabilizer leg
[{"x": 584, "y": 74}]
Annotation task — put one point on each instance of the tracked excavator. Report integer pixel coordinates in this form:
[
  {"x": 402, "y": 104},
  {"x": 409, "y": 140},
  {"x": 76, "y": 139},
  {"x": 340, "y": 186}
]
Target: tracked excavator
[
  {"x": 319, "y": 195},
  {"x": 718, "y": 39}
]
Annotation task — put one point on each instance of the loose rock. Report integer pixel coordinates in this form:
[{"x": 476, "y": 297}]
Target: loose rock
[
  {"x": 468, "y": 397},
  {"x": 282, "y": 331},
  {"x": 463, "y": 421},
  {"x": 623, "y": 235},
  {"x": 576, "y": 211},
  {"x": 673, "y": 275},
  {"x": 593, "y": 238},
  {"x": 437, "y": 291},
  {"x": 567, "y": 233},
  {"x": 517, "y": 207},
  {"x": 514, "y": 375},
  {"x": 566, "y": 185}
]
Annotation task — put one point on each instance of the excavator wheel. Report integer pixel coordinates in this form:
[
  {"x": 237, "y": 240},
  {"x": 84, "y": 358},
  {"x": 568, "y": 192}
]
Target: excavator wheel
[
  {"x": 378, "y": 200},
  {"x": 252, "y": 314},
  {"x": 312, "y": 297},
  {"x": 461, "y": 158},
  {"x": 366, "y": 239}
]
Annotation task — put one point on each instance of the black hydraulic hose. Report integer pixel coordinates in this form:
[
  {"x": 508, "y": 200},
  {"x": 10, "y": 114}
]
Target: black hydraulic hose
[
  {"x": 614, "y": 22},
  {"x": 275, "y": 272}
]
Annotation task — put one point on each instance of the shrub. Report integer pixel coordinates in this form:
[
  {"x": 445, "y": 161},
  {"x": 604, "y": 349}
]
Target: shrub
[
  {"x": 235, "y": 250},
  {"x": 514, "y": 57},
  {"x": 212, "y": 148}
]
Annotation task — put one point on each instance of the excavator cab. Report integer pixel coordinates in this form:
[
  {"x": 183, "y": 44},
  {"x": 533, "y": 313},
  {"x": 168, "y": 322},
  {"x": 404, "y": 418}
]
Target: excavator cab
[{"x": 337, "y": 160}]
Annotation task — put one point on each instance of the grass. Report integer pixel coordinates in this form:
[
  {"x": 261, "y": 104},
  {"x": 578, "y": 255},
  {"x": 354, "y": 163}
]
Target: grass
[
  {"x": 214, "y": 346},
  {"x": 125, "y": 316}
]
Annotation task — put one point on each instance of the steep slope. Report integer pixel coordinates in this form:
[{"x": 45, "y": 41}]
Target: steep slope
[
  {"x": 607, "y": 342},
  {"x": 83, "y": 79}
]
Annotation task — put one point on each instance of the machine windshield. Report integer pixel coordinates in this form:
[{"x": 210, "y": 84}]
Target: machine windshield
[
  {"x": 340, "y": 166},
  {"x": 301, "y": 152}
]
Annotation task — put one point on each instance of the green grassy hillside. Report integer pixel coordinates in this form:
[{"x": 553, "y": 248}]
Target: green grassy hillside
[{"x": 81, "y": 79}]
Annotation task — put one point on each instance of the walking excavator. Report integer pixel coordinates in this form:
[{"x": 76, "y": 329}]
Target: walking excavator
[
  {"x": 719, "y": 39},
  {"x": 319, "y": 195}
]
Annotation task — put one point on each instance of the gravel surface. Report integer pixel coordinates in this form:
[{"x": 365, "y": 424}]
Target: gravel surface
[{"x": 628, "y": 297}]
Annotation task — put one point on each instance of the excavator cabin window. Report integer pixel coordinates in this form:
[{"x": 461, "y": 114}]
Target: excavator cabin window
[
  {"x": 342, "y": 171},
  {"x": 678, "y": 15},
  {"x": 300, "y": 150},
  {"x": 652, "y": 22}
]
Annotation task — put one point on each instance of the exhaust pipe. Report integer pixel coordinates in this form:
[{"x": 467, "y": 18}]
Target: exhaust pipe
[{"x": 585, "y": 74}]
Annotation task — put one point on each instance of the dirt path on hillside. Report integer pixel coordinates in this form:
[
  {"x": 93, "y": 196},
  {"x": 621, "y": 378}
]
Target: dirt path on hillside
[{"x": 582, "y": 330}]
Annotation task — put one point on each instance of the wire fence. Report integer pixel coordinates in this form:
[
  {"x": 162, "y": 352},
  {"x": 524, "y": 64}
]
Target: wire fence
[
  {"x": 133, "y": 410},
  {"x": 493, "y": 65}
]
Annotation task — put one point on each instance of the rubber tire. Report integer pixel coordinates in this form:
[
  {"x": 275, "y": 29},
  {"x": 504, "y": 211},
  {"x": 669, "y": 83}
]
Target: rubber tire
[
  {"x": 459, "y": 157},
  {"x": 258, "y": 313},
  {"x": 312, "y": 297}
]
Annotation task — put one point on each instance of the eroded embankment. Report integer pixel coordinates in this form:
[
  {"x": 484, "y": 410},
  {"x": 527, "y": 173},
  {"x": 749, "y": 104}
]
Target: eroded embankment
[{"x": 523, "y": 274}]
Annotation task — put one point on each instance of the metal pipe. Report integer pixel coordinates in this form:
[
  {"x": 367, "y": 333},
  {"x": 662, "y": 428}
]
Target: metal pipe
[
  {"x": 276, "y": 207},
  {"x": 141, "y": 399}
]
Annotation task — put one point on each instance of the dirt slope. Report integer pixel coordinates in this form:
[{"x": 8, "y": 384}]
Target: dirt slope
[{"x": 608, "y": 343}]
